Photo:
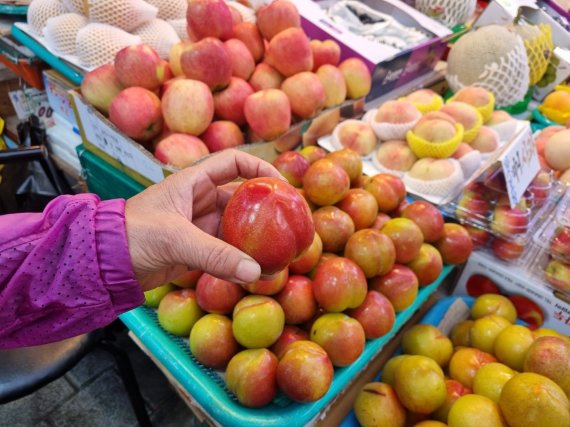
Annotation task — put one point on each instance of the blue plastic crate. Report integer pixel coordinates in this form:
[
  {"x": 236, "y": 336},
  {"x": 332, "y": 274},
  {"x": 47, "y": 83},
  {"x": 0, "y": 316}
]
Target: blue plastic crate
[{"x": 208, "y": 389}]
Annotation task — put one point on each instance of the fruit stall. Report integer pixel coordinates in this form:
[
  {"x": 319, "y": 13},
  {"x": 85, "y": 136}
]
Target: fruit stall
[{"x": 416, "y": 257}]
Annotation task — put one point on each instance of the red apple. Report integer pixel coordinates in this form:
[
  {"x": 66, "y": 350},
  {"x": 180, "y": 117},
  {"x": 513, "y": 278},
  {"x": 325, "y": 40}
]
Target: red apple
[
  {"x": 100, "y": 86},
  {"x": 136, "y": 112},
  {"x": 297, "y": 300},
  {"x": 427, "y": 217},
  {"x": 289, "y": 52},
  {"x": 560, "y": 243},
  {"x": 249, "y": 34},
  {"x": 222, "y": 134},
  {"x": 388, "y": 191},
  {"x": 180, "y": 150},
  {"x": 309, "y": 258},
  {"x": 325, "y": 182},
  {"x": 557, "y": 274},
  {"x": 376, "y": 315},
  {"x": 334, "y": 227},
  {"x": 400, "y": 286},
  {"x": 249, "y": 222},
  {"x": 306, "y": 94},
  {"x": 209, "y": 18},
  {"x": 341, "y": 336},
  {"x": 506, "y": 250},
  {"x": 407, "y": 238},
  {"x": 216, "y": 295},
  {"x": 361, "y": 206},
  {"x": 241, "y": 58},
  {"x": 325, "y": 52},
  {"x": 290, "y": 335},
  {"x": 265, "y": 77},
  {"x": 508, "y": 221},
  {"x": 140, "y": 65},
  {"x": 373, "y": 251},
  {"x": 229, "y": 103},
  {"x": 357, "y": 77},
  {"x": 277, "y": 16},
  {"x": 455, "y": 245},
  {"x": 339, "y": 283},
  {"x": 212, "y": 342},
  {"x": 479, "y": 236},
  {"x": 268, "y": 113},
  {"x": 188, "y": 107},
  {"x": 270, "y": 286},
  {"x": 427, "y": 266},
  {"x": 207, "y": 61},
  {"x": 292, "y": 166}
]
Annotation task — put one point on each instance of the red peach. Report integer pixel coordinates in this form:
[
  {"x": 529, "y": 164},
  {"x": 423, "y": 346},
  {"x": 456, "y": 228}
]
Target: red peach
[
  {"x": 397, "y": 112},
  {"x": 357, "y": 135}
]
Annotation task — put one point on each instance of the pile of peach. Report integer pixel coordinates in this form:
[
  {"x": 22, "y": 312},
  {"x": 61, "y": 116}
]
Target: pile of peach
[
  {"x": 366, "y": 259},
  {"x": 490, "y": 372},
  {"x": 553, "y": 147},
  {"x": 232, "y": 77}
]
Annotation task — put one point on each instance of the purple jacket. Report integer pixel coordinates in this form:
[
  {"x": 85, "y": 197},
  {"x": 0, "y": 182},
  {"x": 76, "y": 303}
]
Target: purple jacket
[{"x": 65, "y": 271}]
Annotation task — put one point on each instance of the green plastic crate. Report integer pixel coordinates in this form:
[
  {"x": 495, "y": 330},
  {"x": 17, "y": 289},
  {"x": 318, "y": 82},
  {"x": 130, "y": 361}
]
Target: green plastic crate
[{"x": 105, "y": 180}]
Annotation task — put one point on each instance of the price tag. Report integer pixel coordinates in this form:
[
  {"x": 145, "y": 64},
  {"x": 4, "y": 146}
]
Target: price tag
[{"x": 520, "y": 164}]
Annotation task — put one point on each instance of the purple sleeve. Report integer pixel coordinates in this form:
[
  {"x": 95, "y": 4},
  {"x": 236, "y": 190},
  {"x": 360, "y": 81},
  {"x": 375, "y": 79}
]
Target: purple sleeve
[{"x": 65, "y": 271}]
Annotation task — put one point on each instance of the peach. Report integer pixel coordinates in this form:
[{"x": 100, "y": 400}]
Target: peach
[
  {"x": 427, "y": 217},
  {"x": 462, "y": 150},
  {"x": 207, "y": 61},
  {"x": 543, "y": 136},
  {"x": 429, "y": 169},
  {"x": 349, "y": 160},
  {"x": 431, "y": 115},
  {"x": 140, "y": 66},
  {"x": 305, "y": 371},
  {"x": 221, "y": 135},
  {"x": 249, "y": 34},
  {"x": 306, "y": 94},
  {"x": 258, "y": 321},
  {"x": 498, "y": 116},
  {"x": 292, "y": 166},
  {"x": 463, "y": 113},
  {"x": 309, "y": 258},
  {"x": 361, "y": 206},
  {"x": 396, "y": 112},
  {"x": 241, "y": 58},
  {"x": 388, "y": 191},
  {"x": 434, "y": 130},
  {"x": 276, "y": 17},
  {"x": 251, "y": 375},
  {"x": 268, "y": 286},
  {"x": 136, "y": 111},
  {"x": 178, "y": 311},
  {"x": 268, "y": 113},
  {"x": 216, "y": 295},
  {"x": 289, "y": 52},
  {"x": 455, "y": 245},
  {"x": 422, "y": 98},
  {"x": 297, "y": 300},
  {"x": 465, "y": 363},
  {"x": 325, "y": 52},
  {"x": 188, "y": 107},
  {"x": 399, "y": 285},
  {"x": 557, "y": 150},
  {"x": 427, "y": 265},
  {"x": 377, "y": 405},
  {"x": 373, "y": 251},
  {"x": 325, "y": 182},
  {"x": 209, "y": 18},
  {"x": 289, "y": 335},
  {"x": 100, "y": 86},
  {"x": 265, "y": 77},
  {"x": 407, "y": 238},
  {"x": 333, "y": 83},
  {"x": 249, "y": 223},
  {"x": 356, "y": 135},
  {"x": 341, "y": 336},
  {"x": 229, "y": 103},
  {"x": 472, "y": 95},
  {"x": 487, "y": 140},
  {"x": 357, "y": 77},
  {"x": 338, "y": 284},
  {"x": 396, "y": 155},
  {"x": 212, "y": 342},
  {"x": 334, "y": 226},
  {"x": 180, "y": 150},
  {"x": 376, "y": 315}
]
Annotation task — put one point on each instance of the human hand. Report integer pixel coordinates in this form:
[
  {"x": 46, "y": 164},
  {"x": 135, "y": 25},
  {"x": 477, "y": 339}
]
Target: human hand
[{"x": 172, "y": 226}]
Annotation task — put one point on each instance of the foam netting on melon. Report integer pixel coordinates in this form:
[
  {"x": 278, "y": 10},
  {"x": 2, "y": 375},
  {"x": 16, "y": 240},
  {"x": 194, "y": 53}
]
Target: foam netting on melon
[
  {"x": 181, "y": 28},
  {"x": 76, "y": 6},
  {"x": 97, "y": 44},
  {"x": 40, "y": 11},
  {"x": 159, "y": 35},
  {"x": 124, "y": 14},
  {"x": 449, "y": 12},
  {"x": 492, "y": 58},
  {"x": 61, "y": 32},
  {"x": 170, "y": 9}
]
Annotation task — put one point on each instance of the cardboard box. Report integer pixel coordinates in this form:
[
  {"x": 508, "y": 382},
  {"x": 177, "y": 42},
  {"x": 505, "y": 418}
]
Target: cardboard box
[
  {"x": 57, "y": 87},
  {"x": 515, "y": 280},
  {"x": 103, "y": 138},
  {"x": 389, "y": 67}
]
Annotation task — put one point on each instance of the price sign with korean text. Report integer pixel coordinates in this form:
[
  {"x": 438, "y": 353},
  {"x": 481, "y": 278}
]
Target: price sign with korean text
[{"x": 520, "y": 164}]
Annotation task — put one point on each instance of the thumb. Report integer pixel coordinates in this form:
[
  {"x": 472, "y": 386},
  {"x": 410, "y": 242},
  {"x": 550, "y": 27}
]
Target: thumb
[{"x": 220, "y": 259}]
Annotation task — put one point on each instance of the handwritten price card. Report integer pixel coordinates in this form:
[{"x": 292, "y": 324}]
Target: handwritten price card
[{"x": 520, "y": 164}]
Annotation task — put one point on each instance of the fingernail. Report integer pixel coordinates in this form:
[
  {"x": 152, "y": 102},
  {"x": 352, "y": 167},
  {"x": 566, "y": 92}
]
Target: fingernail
[{"x": 248, "y": 271}]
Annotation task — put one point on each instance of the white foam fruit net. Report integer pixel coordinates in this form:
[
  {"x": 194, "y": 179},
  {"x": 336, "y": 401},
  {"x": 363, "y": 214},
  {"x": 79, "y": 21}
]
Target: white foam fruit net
[
  {"x": 181, "y": 28},
  {"x": 439, "y": 187},
  {"x": 170, "y": 9},
  {"x": 449, "y": 12},
  {"x": 159, "y": 35},
  {"x": 40, "y": 11},
  {"x": 61, "y": 32},
  {"x": 76, "y": 6},
  {"x": 97, "y": 44},
  {"x": 124, "y": 14},
  {"x": 476, "y": 61}
]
